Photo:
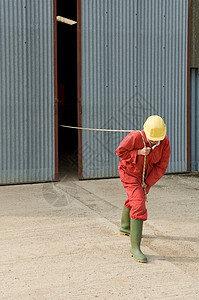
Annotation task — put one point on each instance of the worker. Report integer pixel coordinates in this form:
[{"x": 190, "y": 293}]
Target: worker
[{"x": 153, "y": 144}]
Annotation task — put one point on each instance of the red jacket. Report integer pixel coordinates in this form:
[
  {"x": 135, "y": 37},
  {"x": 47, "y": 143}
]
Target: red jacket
[{"x": 131, "y": 164}]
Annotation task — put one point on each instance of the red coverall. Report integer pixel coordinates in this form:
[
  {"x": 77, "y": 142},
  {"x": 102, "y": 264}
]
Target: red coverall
[{"x": 131, "y": 170}]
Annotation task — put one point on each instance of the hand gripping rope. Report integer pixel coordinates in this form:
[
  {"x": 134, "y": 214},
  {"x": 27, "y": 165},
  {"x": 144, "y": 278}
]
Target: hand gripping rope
[
  {"x": 144, "y": 166},
  {"x": 115, "y": 130}
]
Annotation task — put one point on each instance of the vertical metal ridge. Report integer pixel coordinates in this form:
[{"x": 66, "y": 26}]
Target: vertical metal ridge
[
  {"x": 194, "y": 137},
  {"x": 188, "y": 88}
]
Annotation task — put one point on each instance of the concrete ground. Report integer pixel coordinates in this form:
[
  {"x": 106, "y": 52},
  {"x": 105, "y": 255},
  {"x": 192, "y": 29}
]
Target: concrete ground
[{"x": 61, "y": 241}]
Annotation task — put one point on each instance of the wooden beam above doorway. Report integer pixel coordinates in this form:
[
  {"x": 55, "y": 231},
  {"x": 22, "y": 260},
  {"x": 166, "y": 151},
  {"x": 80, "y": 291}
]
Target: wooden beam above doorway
[{"x": 65, "y": 20}]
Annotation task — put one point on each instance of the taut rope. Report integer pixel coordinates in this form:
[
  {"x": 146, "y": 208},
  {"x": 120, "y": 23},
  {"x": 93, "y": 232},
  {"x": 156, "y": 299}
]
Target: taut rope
[{"x": 144, "y": 166}]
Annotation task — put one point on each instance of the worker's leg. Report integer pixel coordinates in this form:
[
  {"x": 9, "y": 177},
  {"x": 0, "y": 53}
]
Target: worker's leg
[
  {"x": 136, "y": 236},
  {"x": 138, "y": 213},
  {"x": 136, "y": 200},
  {"x": 125, "y": 221}
]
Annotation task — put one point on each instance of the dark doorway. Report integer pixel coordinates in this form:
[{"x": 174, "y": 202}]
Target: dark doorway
[{"x": 67, "y": 89}]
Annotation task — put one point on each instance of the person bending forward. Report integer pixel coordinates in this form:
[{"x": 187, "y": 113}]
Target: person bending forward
[{"x": 153, "y": 143}]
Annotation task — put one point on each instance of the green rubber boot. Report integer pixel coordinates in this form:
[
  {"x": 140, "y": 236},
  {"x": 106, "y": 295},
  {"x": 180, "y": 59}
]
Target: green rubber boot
[
  {"x": 125, "y": 221},
  {"x": 136, "y": 235}
]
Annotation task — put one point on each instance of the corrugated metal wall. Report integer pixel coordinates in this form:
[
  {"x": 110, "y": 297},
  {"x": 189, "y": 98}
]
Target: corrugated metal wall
[
  {"x": 194, "y": 119},
  {"x": 26, "y": 91},
  {"x": 134, "y": 64}
]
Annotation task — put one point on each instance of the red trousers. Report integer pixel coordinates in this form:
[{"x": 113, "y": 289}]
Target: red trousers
[{"x": 136, "y": 198}]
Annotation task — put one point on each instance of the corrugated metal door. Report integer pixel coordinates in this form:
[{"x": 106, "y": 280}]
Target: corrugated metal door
[
  {"x": 27, "y": 91},
  {"x": 134, "y": 64}
]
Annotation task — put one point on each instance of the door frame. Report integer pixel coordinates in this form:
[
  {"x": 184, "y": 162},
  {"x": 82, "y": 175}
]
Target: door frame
[
  {"x": 56, "y": 176},
  {"x": 79, "y": 90}
]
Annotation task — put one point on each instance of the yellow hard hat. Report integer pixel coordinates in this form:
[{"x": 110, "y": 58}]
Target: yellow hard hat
[{"x": 155, "y": 128}]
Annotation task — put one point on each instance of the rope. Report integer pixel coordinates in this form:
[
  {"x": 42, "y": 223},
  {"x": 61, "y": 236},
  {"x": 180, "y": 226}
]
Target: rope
[
  {"x": 96, "y": 129},
  {"x": 144, "y": 166},
  {"x": 115, "y": 130}
]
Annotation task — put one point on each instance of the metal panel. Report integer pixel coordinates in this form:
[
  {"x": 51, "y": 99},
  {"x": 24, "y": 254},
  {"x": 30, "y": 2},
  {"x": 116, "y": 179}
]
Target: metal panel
[
  {"x": 27, "y": 91},
  {"x": 194, "y": 119},
  {"x": 134, "y": 64},
  {"x": 194, "y": 33}
]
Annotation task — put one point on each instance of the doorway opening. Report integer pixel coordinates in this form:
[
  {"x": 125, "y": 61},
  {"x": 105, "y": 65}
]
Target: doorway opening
[{"x": 67, "y": 89}]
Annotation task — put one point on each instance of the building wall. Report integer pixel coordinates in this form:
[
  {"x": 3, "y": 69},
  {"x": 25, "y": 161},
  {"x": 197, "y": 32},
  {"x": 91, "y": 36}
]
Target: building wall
[
  {"x": 27, "y": 91},
  {"x": 134, "y": 64}
]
